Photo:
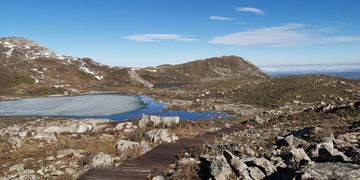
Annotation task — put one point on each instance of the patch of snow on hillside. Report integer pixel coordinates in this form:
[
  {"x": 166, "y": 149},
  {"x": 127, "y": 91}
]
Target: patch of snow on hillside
[{"x": 87, "y": 70}]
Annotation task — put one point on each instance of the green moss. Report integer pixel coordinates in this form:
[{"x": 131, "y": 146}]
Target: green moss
[
  {"x": 22, "y": 79},
  {"x": 86, "y": 75}
]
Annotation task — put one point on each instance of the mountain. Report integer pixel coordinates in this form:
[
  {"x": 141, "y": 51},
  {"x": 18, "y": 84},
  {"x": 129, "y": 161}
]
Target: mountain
[
  {"x": 203, "y": 70},
  {"x": 27, "y": 68}
]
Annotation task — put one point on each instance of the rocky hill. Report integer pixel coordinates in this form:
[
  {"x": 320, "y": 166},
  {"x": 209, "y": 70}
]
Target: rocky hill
[
  {"x": 27, "y": 68},
  {"x": 203, "y": 70}
]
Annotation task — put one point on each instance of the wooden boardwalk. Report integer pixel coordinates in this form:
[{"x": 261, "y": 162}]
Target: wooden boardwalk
[{"x": 160, "y": 156}]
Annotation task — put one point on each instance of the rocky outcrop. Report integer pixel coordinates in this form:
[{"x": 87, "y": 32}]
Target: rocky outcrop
[{"x": 157, "y": 120}]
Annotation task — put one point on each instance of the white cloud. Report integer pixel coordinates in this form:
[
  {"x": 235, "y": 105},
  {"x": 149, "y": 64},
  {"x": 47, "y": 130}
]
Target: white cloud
[
  {"x": 250, "y": 9},
  {"x": 158, "y": 37},
  {"x": 220, "y": 18},
  {"x": 290, "y": 34}
]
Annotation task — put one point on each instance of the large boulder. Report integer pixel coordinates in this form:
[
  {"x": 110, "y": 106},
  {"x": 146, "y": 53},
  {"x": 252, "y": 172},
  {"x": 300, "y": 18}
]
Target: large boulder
[
  {"x": 157, "y": 120},
  {"x": 158, "y": 134},
  {"x": 83, "y": 127},
  {"x": 102, "y": 160},
  {"x": 220, "y": 169},
  {"x": 46, "y": 136},
  {"x": 124, "y": 145}
]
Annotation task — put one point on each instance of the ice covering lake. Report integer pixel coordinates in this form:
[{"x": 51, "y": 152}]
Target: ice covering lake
[
  {"x": 74, "y": 106},
  {"x": 116, "y": 107}
]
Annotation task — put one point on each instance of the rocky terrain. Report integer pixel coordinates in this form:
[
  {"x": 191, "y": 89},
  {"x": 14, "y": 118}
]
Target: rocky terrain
[
  {"x": 303, "y": 127},
  {"x": 29, "y": 69}
]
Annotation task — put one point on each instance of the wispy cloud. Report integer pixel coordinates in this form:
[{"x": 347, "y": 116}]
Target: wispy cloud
[
  {"x": 158, "y": 37},
  {"x": 250, "y": 9},
  {"x": 290, "y": 34},
  {"x": 220, "y": 18}
]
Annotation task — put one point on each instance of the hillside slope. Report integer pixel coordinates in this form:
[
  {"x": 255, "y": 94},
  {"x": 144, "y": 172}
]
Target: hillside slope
[
  {"x": 203, "y": 70},
  {"x": 27, "y": 68}
]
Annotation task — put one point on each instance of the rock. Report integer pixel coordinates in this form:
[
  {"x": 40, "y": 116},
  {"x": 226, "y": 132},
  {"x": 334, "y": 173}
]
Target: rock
[
  {"x": 187, "y": 161},
  {"x": 101, "y": 160},
  {"x": 266, "y": 165},
  {"x": 70, "y": 170},
  {"x": 158, "y": 178},
  {"x": 46, "y": 136},
  {"x": 23, "y": 134},
  {"x": 124, "y": 125},
  {"x": 17, "y": 167},
  {"x": 66, "y": 152},
  {"x": 144, "y": 146},
  {"x": 83, "y": 127},
  {"x": 158, "y": 134},
  {"x": 256, "y": 120},
  {"x": 331, "y": 170},
  {"x": 13, "y": 130},
  {"x": 50, "y": 158},
  {"x": 16, "y": 141},
  {"x": 256, "y": 173},
  {"x": 157, "y": 120},
  {"x": 220, "y": 169},
  {"x": 297, "y": 157},
  {"x": 57, "y": 173},
  {"x": 294, "y": 141},
  {"x": 354, "y": 154},
  {"x": 124, "y": 145},
  {"x": 328, "y": 153},
  {"x": 53, "y": 129},
  {"x": 238, "y": 167}
]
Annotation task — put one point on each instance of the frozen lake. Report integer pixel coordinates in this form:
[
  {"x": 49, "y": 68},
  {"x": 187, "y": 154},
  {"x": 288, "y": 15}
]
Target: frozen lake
[{"x": 112, "y": 106}]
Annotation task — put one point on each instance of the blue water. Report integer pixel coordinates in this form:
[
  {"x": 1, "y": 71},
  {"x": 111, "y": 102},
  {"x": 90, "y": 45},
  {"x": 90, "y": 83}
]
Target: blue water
[{"x": 154, "y": 108}]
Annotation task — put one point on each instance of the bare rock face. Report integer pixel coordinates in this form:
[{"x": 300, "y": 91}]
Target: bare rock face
[{"x": 332, "y": 170}]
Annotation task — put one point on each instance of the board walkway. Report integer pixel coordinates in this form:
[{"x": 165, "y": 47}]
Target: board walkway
[{"x": 160, "y": 156}]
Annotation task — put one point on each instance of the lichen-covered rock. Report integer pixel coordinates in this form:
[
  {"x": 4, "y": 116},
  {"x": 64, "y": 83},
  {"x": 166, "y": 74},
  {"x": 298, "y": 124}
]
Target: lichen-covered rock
[
  {"x": 101, "y": 160},
  {"x": 83, "y": 127},
  {"x": 220, "y": 169},
  {"x": 333, "y": 170},
  {"x": 157, "y": 120}
]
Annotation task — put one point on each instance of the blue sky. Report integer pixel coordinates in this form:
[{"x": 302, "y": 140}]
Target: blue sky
[{"x": 141, "y": 33}]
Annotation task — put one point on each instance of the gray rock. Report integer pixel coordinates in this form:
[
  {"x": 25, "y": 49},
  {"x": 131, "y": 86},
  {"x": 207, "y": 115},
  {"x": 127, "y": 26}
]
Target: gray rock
[
  {"x": 158, "y": 178},
  {"x": 70, "y": 170},
  {"x": 328, "y": 153},
  {"x": 53, "y": 129},
  {"x": 297, "y": 157},
  {"x": 256, "y": 173},
  {"x": 157, "y": 120},
  {"x": 144, "y": 146},
  {"x": 333, "y": 170},
  {"x": 66, "y": 152},
  {"x": 57, "y": 173},
  {"x": 13, "y": 130},
  {"x": 16, "y": 142},
  {"x": 158, "y": 134},
  {"x": 266, "y": 165},
  {"x": 83, "y": 127},
  {"x": 101, "y": 160},
  {"x": 46, "y": 136},
  {"x": 256, "y": 120},
  {"x": 124, "y": 145},
  {"x": 238, "y": 167},
  {"x": 17, "y": 167},
  {"x": 220, "y": 169}
]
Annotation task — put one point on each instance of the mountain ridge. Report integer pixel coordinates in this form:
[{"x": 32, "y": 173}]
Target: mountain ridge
[{"x": 27, "y": 67}]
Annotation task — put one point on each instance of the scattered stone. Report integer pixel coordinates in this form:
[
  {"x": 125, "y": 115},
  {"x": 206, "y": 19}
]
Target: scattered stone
[
  {"x": 124, "y": 145},
  {"x": 66, "y": 152},
  {"x": 157, "y": 120},
  {"x": 83, "y": 127},
  {"x": 46, "y": 136},
  {"x": 332, "y": 170}
]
